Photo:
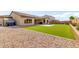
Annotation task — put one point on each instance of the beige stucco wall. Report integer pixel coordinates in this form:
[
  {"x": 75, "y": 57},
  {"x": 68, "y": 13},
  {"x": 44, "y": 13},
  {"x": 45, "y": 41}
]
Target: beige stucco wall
[
  {"x": 33, "y": 21},
  {"x": 46, "y": 21},
  {"x": 20, "y": 20},
  {"x": 17, "y": 18},
  {"x": 24, "y": 18},
  {"x": 73, "y": 21},
  {"x": 77, "y": 21}
]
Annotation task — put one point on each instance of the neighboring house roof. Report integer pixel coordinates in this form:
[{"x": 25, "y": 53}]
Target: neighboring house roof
[
  {"x": 49, "y": 17},
  {"x": 25, "y": 15}
]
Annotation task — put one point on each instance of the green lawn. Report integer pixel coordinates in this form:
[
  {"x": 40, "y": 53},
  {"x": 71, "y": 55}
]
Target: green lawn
[{"x": 57, "y": 29}]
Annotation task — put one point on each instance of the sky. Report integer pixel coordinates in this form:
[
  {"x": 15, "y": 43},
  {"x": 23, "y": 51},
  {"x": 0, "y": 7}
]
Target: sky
[
  {"x": 59, "y": 15},
  {"x": 39, "y": 5},
  {"x": 60, "y": 9}
]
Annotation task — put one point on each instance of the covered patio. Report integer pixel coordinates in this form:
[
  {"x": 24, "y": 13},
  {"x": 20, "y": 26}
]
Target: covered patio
[
  {"x": 9, "y": 22},
  {"x": 40, "y": 21}
]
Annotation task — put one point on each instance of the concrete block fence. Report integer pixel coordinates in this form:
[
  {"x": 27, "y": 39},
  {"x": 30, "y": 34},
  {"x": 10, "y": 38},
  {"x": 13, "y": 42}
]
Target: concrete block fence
[{"x": 76, "y": 34}]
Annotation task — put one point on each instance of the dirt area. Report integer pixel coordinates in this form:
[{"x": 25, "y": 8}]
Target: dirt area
[{"x": 20, "y": 38}]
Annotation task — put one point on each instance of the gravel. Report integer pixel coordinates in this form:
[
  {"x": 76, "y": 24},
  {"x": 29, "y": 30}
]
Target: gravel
[{"x": 21, "y": 38}]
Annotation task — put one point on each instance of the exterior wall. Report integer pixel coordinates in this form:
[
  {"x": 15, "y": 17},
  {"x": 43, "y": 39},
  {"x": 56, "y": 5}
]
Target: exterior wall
[
  {"x": 1, "y": 21},
  {"x": 33, "y": 22},
  {"x": 5, "y": 19},
  {"x": 46, "y": 21},
  {"x": 17, "y": 18},
  {"x": 24, "y": 24},
  {"x": 73, "y": 21},
  {"x": 20, "y": 20},
  {"x": 77, "y": 21}
]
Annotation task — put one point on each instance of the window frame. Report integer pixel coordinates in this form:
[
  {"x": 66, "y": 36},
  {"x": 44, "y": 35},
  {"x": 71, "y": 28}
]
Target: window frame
[{"x": 28, "y": 20}]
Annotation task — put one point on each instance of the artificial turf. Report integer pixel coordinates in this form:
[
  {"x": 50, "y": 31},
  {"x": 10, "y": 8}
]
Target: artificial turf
[{"x": 61, "y": 30}]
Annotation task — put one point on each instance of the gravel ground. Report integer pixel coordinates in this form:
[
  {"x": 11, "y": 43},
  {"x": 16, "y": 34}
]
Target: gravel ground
[{"x": 20, "y": 38}]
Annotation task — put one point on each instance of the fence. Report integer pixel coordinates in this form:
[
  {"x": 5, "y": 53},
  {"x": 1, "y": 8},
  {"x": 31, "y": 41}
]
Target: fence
[{"x": 76, "y": 34}]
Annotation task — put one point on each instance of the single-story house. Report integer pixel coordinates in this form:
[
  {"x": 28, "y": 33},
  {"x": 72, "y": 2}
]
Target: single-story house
[
  {"x": 75, "y": 21},
  {"x": 21, "y": 19},
  {"x": 50, "y": 18}
]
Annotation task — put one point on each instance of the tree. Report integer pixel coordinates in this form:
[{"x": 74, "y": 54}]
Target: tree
[{"x": 71, "y": 17}]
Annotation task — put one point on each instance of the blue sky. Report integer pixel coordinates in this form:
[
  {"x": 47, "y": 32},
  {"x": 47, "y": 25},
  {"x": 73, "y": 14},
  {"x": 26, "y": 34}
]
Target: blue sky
[{"x": 59, "y": 15}]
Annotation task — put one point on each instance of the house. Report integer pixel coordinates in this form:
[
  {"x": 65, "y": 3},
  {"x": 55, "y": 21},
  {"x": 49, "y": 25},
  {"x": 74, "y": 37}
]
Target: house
[
  {"x": 21, "y": 19},
  {"x": 75, "y": 21},
  {"x": 51, "y": 19}
]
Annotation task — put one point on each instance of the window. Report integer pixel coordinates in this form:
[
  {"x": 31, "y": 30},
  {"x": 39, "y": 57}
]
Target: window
[{"x": 28, "y": 21}]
